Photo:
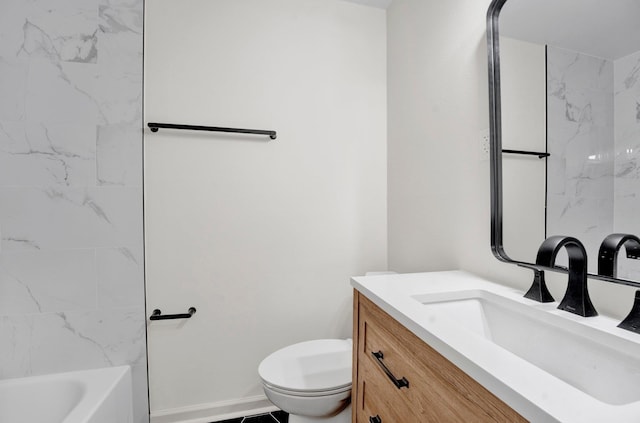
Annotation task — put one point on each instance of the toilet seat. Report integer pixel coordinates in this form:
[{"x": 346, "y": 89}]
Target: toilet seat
[
  {"x": 313, "y": 368},
  {"x": 294, "y": 393}
]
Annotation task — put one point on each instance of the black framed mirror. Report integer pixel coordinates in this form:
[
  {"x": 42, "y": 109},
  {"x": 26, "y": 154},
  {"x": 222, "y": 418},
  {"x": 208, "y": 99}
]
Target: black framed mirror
[{"x": 564, "y": 104}]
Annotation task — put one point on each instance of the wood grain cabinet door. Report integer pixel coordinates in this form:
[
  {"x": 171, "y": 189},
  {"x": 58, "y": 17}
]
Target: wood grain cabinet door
[{"x": 388, "y": 355}]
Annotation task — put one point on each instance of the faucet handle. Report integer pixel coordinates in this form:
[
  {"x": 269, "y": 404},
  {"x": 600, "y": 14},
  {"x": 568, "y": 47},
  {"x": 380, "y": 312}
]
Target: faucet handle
[{"x": 538, "y": 291}]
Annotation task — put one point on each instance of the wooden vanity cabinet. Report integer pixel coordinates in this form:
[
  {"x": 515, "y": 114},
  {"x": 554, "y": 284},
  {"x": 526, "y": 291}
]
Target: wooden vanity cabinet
[{"x": 437, "y": 390}]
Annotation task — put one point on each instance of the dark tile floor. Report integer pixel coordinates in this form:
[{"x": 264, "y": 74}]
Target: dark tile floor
[{"x": 274, "y": 417}]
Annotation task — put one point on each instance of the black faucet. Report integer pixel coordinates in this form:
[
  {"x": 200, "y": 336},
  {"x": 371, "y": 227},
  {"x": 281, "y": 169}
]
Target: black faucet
[
  {"x": 576, "y": 299},
  {"x": 608, "y": 253},
  {"x": 607, "y": 266}
]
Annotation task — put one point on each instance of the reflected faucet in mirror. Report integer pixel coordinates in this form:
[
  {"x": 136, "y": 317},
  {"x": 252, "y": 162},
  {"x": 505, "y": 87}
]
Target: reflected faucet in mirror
[
  {"x": 608, "y": 252},
  {"x": 576, "y": 298},
  {"x": 608, "y": 266},
  {"x": 632, "y": 321}
]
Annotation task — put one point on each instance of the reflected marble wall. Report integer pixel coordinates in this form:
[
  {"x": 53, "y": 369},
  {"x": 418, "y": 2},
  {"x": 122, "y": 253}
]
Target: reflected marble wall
[
  {"x": 580, "y": 125},
  {"x": 594, "y": 140},
  {"x": 71, "y": 249},
  {"x": 627, "y": 154}
]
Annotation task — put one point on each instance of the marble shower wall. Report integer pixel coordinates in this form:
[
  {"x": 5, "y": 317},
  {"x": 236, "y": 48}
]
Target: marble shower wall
[
  {"x": 71, "y": 249},
  {"x": 580, "y": 127}
]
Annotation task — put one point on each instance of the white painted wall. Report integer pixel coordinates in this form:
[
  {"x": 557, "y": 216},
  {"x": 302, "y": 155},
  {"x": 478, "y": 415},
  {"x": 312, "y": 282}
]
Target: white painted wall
[
  {"x": 523, "y": 101},
  {"x": 260, "y": 236},
  {"x": 424, "y": 147},
  {"x": 438, "y": 188},
  {"x": 438, "y": 110}
]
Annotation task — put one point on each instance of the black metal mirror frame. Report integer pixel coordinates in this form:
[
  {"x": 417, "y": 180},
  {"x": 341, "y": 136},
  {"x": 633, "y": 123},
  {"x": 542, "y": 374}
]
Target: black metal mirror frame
[{"x": 495, "y": 151}]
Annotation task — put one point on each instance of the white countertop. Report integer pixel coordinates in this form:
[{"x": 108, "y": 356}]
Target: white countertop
[{"x": 534, "y": 393}]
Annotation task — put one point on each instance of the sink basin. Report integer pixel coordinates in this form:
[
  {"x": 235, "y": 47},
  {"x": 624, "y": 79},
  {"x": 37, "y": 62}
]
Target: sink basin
[{"x": 602, "y": 365}]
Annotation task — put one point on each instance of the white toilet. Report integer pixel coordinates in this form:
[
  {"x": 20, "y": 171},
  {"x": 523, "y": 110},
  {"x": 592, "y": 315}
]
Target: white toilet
[{"x": 311, "y": 380}]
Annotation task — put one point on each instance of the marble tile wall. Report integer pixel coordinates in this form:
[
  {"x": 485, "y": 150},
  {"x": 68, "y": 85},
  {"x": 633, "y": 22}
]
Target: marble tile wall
[
  {"x": 580, "y": 125},
  {"x": 627, "y": 155},
  {"x": 594, "y": 139},
  {"x": 71, "y": 237}
]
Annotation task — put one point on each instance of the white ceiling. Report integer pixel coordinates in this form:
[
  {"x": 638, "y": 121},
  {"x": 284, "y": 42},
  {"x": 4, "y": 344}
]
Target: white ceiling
[
  {"x": 608, "y": 29},
  {"x": 381, "y": 4}
]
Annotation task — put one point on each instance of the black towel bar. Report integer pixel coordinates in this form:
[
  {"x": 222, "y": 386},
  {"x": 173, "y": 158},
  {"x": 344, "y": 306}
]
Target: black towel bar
[
  {"x": 154, "y": 126},
  {"x": 157, "y": 315},
  {"x": 528, "y": 153}
]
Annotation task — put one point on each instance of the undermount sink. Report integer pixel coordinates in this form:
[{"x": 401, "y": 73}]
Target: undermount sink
[{"x": 601, "y": 365}]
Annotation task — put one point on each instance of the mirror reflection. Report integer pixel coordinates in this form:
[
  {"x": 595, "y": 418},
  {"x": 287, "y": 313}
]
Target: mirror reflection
[{"x": 570, "y": 73}]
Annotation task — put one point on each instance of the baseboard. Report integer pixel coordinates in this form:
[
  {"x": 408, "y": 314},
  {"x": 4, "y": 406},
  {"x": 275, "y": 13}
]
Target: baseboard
[{"x": 216, "y": 411}]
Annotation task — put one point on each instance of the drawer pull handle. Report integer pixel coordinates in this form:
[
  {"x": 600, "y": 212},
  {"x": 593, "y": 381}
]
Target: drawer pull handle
[
  {"x": 375, "y": 419},
  {"x": 400, "y": 383}
]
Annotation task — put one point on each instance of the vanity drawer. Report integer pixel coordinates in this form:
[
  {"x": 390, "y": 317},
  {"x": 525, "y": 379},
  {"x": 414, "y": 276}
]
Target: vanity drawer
[
  {"x": 376, "y": 400},
  {"x": 437, "y": 390}
]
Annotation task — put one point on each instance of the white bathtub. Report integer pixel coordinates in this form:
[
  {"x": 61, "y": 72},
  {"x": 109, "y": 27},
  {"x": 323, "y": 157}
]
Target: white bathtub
[{"x": 90, "y": 396}]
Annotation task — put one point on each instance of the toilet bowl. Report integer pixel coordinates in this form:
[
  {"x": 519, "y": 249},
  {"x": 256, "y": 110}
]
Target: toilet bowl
[{"x": 311, "y": 380}]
